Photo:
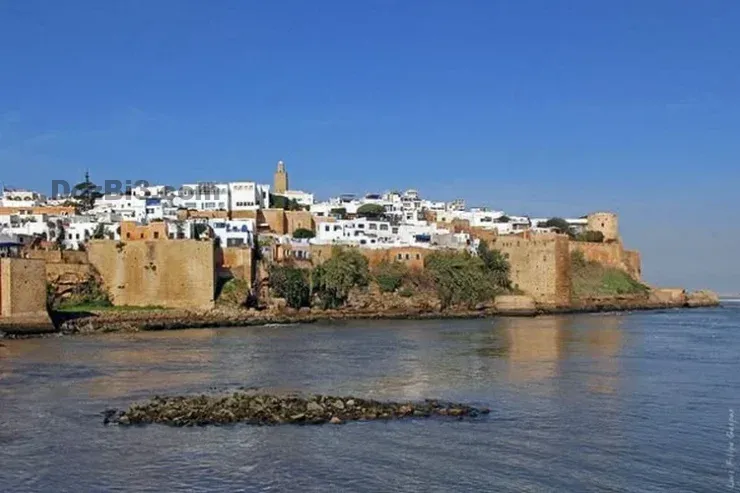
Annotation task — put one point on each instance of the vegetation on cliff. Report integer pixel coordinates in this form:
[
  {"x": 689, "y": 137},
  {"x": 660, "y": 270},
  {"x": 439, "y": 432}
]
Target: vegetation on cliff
[
  {"x": 303, "y": 233},
  {"x": 389, "y": 276},
  {"x": 334, "y": 279},
  {"x": 292, "y": 284},
  {"x": 592, "y": 279},
  {"x": 456, "y": 278}
]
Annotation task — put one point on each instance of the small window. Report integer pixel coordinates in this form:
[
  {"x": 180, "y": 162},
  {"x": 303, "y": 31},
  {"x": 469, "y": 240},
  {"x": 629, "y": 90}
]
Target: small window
[
  {"x": 372, "y": 226},
  {"x": 327, "y": 228},
  {"x": 407, "y": 256},
  {"x": 399, "y": 256},
  {"x": 384, "y": 227},
  {"x": 361, "y": 226},
  {"x": 128, "y": 235},
  {"x": 418, "y": 257},
  {"x": 141, "y": 236},
  {"x": 156, "y": 235}
]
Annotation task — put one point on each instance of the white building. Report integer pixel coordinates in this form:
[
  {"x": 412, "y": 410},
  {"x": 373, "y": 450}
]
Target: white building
[
  {"x": 248, "y": 196},
  {"x": 302, "y": 198},
  {"x": 80, "y": 230},
  {"x": 235, "y": 232},
  {"x": 203, "y": 197},
  {"x": 21, "y": 198}
]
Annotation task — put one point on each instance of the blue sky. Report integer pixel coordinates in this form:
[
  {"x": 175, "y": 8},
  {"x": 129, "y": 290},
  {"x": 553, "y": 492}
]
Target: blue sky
[{"x": 535, "y": 107}]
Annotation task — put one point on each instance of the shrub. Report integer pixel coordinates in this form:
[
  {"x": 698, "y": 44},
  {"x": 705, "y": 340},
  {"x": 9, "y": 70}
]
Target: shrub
[
  {"x": 339, "y": 211},
  {"x": 234, "y": 292},
  {"x": 496, "y": 265},
  {"x": 90, "y": 293},
  {"x": 282, "y": 202},
  {"x": 460, "y": 278},
  {"x": 591, "y": 236},
  {"x": 592, "y": 279},
  {"x": 558, "y": 223},
  {"x": 405, "y": 292},
  {"x": 303, "y": 233},
  {"x": 292, "y": 284},
  {"x": 333, "y": 280},
  {"x": 371, "y": 210},
  {"x": 389, "y": 275}
]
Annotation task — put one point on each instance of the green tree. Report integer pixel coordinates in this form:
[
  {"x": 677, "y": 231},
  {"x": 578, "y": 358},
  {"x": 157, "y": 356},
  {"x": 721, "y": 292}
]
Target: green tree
[
  {"x": 333, "y": 280},
  {"x": 558, "y": 223},
  {"x": 303, "y": 233},
  {"x": 86, "y": 193},
  {"x": 591, "y": 236},
  {"x": 339, "y": 211},
  {"x": 99, "y": 232},
  {"x": 503, "y": 219},
  {"x": 372, "y": 211},
  {"x": 60, "y": 234},
  {"x": 200, "y": 230},
  {"x": 459, "y": 278},
  {"x": 496, "y": 265},
  {"x": 283, "y": 202},
  {"x": 389, "y": 275},
  {"x": 292, "y": 284}
]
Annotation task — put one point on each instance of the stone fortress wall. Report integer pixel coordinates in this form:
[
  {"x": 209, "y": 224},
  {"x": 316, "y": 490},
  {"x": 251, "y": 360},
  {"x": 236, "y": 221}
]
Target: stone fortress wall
[{"x": 171, "y": 274}]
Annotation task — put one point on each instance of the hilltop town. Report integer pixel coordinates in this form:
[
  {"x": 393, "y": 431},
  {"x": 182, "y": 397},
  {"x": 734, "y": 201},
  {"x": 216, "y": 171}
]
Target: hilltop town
[{"x": 192, "y": 247}]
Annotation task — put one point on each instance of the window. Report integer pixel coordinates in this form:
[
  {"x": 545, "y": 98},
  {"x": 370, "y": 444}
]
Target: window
[
  {"x": 418, "y": 257},
  {"x": 399, "y": 256},
  {"x": 372, "y": 226},
  {"x": 156, "y": 235},
  {"x": 337, "y": 228},
  {"x": 384, "y": 227},
  {"x": 361, "y": 226},
  {"x": 141, "y": 236},
  {"x": 172, "y": 236},
  {"x": 77, "y": 236},
  {"x": 394, "y": 231},
  {"x": 407, "y": 256},
  {"x": 128, "y": 235},
  {"x": 327, "y": 228}
]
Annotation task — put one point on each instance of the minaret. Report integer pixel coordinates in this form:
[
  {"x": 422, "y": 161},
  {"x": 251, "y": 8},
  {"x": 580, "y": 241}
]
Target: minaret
[{"x": 281, "y": 179}]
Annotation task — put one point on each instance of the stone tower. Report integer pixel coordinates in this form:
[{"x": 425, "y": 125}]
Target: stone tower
[
  {"x": 281, "y": 179},
  {"x": 606, "y": 222}
]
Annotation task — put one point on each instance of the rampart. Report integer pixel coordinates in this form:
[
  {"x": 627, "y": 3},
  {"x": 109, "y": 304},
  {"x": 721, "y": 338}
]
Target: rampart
[
  {"x": 610, "y": 255},
  {"x": 540, "y": 266},
  {"x": 23, "y": 295},
  {"x": 239, "y": 262},
  {"x": 171, "y": 274}
]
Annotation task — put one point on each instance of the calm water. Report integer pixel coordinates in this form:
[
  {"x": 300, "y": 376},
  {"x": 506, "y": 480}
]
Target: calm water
[{"x": 630, "y": 402}]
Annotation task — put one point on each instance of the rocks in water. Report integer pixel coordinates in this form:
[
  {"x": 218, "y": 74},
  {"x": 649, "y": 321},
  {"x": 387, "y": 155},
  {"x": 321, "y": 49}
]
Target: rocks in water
[{"x": 266, "y": 409}]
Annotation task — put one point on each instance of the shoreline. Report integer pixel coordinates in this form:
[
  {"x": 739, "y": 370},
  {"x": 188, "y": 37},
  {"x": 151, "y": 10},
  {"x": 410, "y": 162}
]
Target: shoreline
[{"x": 107, "y": 321}]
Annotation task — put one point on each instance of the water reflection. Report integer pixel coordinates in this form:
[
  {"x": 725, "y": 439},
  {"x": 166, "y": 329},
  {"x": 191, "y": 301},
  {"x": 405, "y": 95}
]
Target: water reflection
[{"x": 534, "y": 347}]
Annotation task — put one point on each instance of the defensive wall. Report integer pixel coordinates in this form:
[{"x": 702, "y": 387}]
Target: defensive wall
[
  {"x": 65, "y": 269},
  {"x": 610, "y": 255},
  {"x": 23, "y": 296},
  {"x": 237, "y": 262},
  {"x": 540, "y": 265},
  {"x": 172, "y": 274}
]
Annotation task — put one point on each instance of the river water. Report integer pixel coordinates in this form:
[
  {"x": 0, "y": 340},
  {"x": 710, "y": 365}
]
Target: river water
[{"x": 608, "y": 402}]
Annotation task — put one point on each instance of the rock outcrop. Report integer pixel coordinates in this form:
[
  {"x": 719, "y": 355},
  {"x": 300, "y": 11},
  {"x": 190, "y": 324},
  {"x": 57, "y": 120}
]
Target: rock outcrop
[{"x": 265, "y": 409}]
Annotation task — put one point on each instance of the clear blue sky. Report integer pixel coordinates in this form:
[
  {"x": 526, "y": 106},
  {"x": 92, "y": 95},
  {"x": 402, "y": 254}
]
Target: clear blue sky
[{"x": 534, "y": 107}]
